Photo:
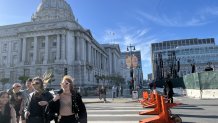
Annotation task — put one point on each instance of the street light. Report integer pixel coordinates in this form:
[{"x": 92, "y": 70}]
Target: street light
[{"x": 132, "y": 84}]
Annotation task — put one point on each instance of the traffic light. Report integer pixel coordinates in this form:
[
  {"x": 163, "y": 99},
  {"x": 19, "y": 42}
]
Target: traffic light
[
  {"x": 65, "y": 71},
  {"x": 131, "y": 73},
  {"x": 132, "y": 82}
]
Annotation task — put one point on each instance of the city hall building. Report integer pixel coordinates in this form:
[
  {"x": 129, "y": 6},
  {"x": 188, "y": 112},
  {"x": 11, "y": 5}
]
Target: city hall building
[{"x": 54, "y": 41}]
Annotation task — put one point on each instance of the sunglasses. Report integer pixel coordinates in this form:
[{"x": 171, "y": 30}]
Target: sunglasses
[
  {"x": 65, "y": 83},
  {"x": 35, "y": 83},
  {"x": 18, "y": 86}
]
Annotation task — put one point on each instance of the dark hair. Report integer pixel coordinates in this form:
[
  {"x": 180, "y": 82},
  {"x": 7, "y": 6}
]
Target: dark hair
[
  {"x": 7, "y": 111},
  {"x": 29, "y": 80},
  {"x": 40, "y": 81}
]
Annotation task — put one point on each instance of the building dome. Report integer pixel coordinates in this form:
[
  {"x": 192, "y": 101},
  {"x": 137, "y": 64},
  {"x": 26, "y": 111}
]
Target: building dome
[{"x": 53, "y": 10}]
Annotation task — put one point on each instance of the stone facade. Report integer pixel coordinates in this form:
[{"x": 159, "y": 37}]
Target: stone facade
[{"x": 53, "y": 41}]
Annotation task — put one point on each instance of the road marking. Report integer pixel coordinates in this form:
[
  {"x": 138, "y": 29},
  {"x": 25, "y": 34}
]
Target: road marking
[
  {"x": 113, "y": 115},
  {"x": 113, "y": 110},
  {"x": 111, "y": 121},
  {"x": 96, "y": 108}
]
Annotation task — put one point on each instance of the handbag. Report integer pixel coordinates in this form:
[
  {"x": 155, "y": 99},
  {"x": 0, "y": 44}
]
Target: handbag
[{"x": 49, "y": 116}]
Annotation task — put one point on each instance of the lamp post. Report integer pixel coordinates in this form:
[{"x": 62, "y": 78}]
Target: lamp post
[
  {"x": 139, "y": 75},
  {"x": 131, "y": 48}
]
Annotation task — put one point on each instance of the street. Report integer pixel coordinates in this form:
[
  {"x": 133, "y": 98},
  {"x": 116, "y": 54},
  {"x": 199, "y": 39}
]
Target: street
[
  {"x": 118, "y": 111},
  {"x": 197, "y": 110},
  {"x": 114, "y": 112},
  {"x": 124, "y": 110}
]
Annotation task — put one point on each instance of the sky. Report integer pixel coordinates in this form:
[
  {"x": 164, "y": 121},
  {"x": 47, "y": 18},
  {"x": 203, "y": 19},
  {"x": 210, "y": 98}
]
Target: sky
[{"x": 135, "y": 22}]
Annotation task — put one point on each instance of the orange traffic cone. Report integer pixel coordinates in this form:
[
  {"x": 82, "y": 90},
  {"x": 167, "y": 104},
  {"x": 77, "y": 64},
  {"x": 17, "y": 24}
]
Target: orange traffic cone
[
  {"x": 151, "y": 100},
  {"x": 156, "y": 110},
  {"x": 163, "y": 117},
  {"x": 145, "y": 97}
]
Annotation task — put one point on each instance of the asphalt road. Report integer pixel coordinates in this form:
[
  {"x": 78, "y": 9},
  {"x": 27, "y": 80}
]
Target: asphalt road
[
  {"x": 124, "y": 110},
  {"x": 197, "y": 110}
]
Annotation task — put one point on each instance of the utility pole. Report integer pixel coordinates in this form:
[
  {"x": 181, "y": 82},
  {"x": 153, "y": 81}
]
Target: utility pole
[{"x": 131, "y": 48}]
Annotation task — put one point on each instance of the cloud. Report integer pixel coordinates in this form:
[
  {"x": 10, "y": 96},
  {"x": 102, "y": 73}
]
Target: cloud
[
  {"x": 210, "y": 10},
  {"x": 139, "y": 37},
  {"x": 197, "y": 19}
]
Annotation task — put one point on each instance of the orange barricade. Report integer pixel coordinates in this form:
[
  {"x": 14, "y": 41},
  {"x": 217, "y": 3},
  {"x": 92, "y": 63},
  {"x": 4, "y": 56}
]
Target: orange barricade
[
  {"x": 163, "y": 117},
  {"x": 145, "y": 97},
  {"x": 156, "y": 110},
  {"x": 151, "y": 102}
]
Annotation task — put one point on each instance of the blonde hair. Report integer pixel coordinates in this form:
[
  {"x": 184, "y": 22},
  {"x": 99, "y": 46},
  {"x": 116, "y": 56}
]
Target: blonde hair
[
  {"x": 71, "y": 81},
  {"x": 16, "y": 84}
]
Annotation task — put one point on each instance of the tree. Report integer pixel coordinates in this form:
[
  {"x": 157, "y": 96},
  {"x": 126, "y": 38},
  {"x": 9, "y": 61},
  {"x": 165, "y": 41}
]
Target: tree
[
  {"x": 116, "y": 79},
  {"x": 51, "y": 80},
  {"x": 4, "y": 81},
  {"x": 23, "y": 79}
]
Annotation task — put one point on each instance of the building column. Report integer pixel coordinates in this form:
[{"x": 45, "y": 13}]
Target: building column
[
  {"x": 10, "y": 58},
  {"x": 35, "y": 54},
  {"x": 75, "y": 50},
  {"x": 83, "y": 51},
  {"x": 24, "y": 51},
  {"x": 73, "y": 47},
  {"x": 78, "y": 49},
  {"x": 70, "y": 47},
  {"x": 46, "y": 50},
  {"x": 58, "y": 48},
  {"x": 63, "y": 48},
  {"x": 99, "y": 60},
  {"x": 89, "y": 53}
]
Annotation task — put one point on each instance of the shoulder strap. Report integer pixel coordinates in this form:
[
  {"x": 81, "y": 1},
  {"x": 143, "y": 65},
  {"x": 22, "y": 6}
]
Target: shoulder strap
[{"x": 29, "y": 100}]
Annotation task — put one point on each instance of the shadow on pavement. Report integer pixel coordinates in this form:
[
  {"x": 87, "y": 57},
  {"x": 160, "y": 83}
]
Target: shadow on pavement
[{"x": 199, "y": 116}]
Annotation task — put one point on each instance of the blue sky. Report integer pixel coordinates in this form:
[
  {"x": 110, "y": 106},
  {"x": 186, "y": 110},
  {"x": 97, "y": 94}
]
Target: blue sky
[{"x": 136, "y": 22}]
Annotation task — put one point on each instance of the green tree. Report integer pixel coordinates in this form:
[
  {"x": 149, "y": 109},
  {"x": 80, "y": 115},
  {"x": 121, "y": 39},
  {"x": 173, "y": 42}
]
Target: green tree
[
  {"x": 51, "y": 80},
  {"x": 23, "y": 79},
  {"x": 115, "y": 79},
  {"x": 4, "y": 81}
]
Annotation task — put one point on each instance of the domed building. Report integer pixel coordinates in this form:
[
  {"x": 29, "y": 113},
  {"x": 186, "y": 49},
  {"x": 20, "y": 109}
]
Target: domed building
[
  {"x": 53, "y": 10},
  {"x": 54, "y": 41}
]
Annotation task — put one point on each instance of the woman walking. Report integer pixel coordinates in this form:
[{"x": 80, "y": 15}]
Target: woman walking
[
  {"x": 7, "y": 112},
  {"x": 68, "y": 103},
  {"x": 35, "y": 110}
]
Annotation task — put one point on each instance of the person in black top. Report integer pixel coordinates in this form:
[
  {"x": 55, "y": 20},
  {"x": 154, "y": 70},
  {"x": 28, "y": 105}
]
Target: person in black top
[
  {"x": 26, "y": 95},
  {"x": 121, "y": 90},
  {"x": 35, "y": 110},
  {"x": 103, "y": 93},
  {"x": 169, "y": 89},
  {"x": 68, "y": 103},
  {"x": 7, "y": 112}
]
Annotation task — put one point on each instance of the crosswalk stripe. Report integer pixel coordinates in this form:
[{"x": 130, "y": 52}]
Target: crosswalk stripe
[
  {"x": 118, "y": 108},
  {"x": 112, "y": 122},
  {"x": 113, "y": 115},
  {"x": 113, "y": 110}
]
